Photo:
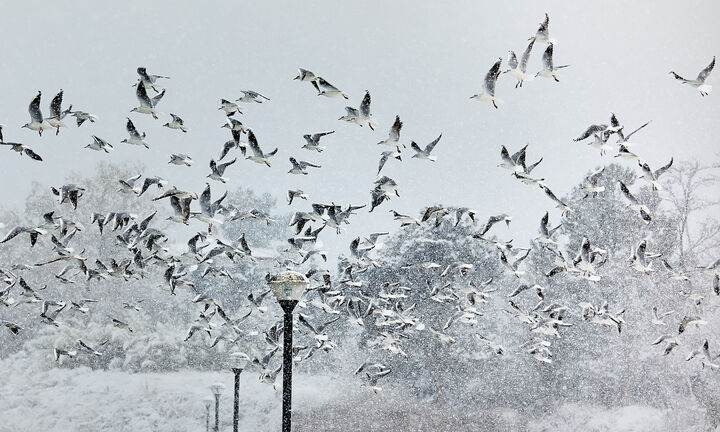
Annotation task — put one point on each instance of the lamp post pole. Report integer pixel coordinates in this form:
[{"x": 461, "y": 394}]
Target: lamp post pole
[
  {"x": 288, "y": 288},
  {"x": 236, "y": 402},
  {"x": 288, "y": 306},
  {"x": 207, "y": 418},
  {"x": 217, "y": 389},
  {"x": 208, "y": 403},
  {"x": 238, "y": 361},
  {"x": 217, "y": 410}
]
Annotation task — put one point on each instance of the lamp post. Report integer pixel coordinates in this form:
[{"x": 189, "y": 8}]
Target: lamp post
[
  {"x": 288, "y": 287},
  {"x": 208, "y": 403},
  {"x": 238, "y": 361},
  {"x": 217, "y": 389}
]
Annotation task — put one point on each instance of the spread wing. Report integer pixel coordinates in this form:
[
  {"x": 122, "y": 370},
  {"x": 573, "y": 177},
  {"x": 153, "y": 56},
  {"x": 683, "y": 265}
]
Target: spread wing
[
  {"x": 525, "y": 56},
  {"x": 157, "y": 98},
  {"x": 547, "y": 58},
  {"x": 627, "y": 193},
  {"x": 702, "y": 76},
  {"x": 365, "y": 105},
  {"x": 431, "y": 146},
  {"x": 662, "y": 169},
  {"x": 55, "y": 109},
  {"x": 34, "y": 109},
  {"x": 492, "y": 77},
  {"x": 395, "y": 129},
  {"x": 512, "y": 60},
  {"x": 131, "y": 130},
  {"x": 253, "y": 144},
  {"x": 142, "y": 96},
  {"x": 543, "y": 30}
]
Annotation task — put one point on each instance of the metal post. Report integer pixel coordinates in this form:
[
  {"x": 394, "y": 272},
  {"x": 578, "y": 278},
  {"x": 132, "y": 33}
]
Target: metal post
[
  {"x": 236, "y": 409},
  {"x": 207, "y": 418},
  {"x": 217, "y": 409},
  {"x": 288, "y": 306}
]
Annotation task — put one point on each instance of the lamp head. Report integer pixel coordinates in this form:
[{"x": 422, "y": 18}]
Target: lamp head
[
  {"x": 217, "y": 389},
  {"x": 238, "y": 360},
  {"x": 288, "y": 285}
]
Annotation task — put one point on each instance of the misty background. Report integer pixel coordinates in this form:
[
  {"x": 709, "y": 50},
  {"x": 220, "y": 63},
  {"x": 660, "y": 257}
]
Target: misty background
[{"x": 421, "y": 61}]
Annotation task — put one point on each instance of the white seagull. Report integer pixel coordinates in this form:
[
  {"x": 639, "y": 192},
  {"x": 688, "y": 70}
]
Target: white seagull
[
  {"x": 230, "y": 108},
  {"x": 549, "y": 70},
  {"x": 299, "y": 167},
  {"x": 699, "y": 82},
  {"x": 257, "y": 154},
  {"x": 651, "y": 176},
  {"x": 326, "y": 89},
  {"x": 519, "y": 69},
  {"x": 180, "y": 159},
  {"x": 393, "y": 139},
  {"x": 362, "y": 116},
  {"x": 147, "y": 105},
  {"x": 543, "y": 32},
  {"x": 57, "y": 114},
  {"x": 176, "y": 123},
  {"x": 37, "y": 122},
  {"x": 147, "y": 80},
  {"x": 305, "y": 75},
  {"x": 488, "y": 94},
  {"x": 217, "y": 170},
  {"x": 99, "y": 144},
  {"x": 425, "y": 153},
  {"x": 312, "y": 142},
  {"x": 136, "y": 138},
  {"x": 252, "y": 96}
]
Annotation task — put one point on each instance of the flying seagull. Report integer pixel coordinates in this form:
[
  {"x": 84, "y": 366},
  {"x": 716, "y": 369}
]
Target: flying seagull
[
  {"x": 651, "y": 176},
  {"x": 37, "y": 122},
  {"x": 230, "y": 108},
  {"x": 312, "y": 142},
  {"x": 549, "y": 70},
  {"x": 393, "y": 139},
  {"x": 699, "y": 82},
  {"x": 176, "y": 123},
  {"x": 147, "y": 80},
  {"x": 180, "y": 159},
  {"x": 252, "y": 96},
  {"x": 519, "y": 69},
  {"x": 82, "y": 116},
  {"x": 387, "y": 155},
  {"x": 147, "y": 105},
  {"x": 136, "y": 138},
  {"x": 257, "y": 154},
  {"x": 488, "y": 94},
  {"x": 326, "y": 89},
  {"x": 543, "y": 32},
  {"x": 635, "y": 204},
  {"x": 305, "y": 75},
  {"x": 21, "y": 148},
  {"x": 217, "y": 170},
  {"x": 57, "y": 114},
  {"x": 360, "y": 116},
  {"x": 99, "y": 144},
  {"x": 299, "y": 167},
  {"x": 425, "y": 153}
]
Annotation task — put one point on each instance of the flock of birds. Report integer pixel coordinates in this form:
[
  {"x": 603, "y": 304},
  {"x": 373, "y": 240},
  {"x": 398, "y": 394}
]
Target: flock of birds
[{"x": 208, "y": 253}]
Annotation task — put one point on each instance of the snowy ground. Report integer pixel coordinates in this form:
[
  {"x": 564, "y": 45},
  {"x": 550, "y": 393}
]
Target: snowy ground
[{"x": 85, "y": 400}]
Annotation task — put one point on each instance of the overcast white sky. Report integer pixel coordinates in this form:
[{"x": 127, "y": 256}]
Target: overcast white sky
[{"x": 421, "y": 60}]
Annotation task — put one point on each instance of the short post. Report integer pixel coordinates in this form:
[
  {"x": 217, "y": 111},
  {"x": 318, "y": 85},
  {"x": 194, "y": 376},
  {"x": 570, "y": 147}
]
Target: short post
[
  {"x": 238, "y": 361},
  {"x": 207, "y": 402},
  {"x": 217, "y": 389}
]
